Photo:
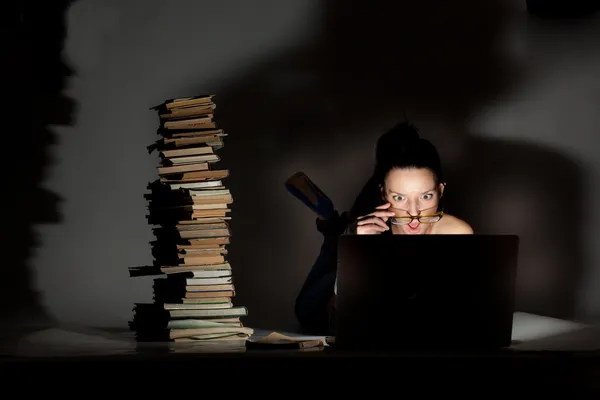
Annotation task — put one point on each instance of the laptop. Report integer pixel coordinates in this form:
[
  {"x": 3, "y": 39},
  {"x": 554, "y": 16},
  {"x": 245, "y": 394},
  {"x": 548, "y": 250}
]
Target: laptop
[{"x": 425, "y": 291}]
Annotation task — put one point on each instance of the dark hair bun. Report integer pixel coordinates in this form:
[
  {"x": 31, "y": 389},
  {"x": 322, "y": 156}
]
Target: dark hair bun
[
  {"x": 402, "y": 147},
  {"x": 395, "y": 141}
]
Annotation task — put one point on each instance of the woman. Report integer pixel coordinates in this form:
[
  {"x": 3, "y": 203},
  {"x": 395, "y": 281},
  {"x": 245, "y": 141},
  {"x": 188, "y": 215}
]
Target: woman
[
  {"x": 410, "y": 182},
  {"x": 402, "y": 197}
]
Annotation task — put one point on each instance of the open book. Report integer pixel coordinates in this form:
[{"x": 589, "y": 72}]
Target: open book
[{"x": 276, "y": 340}]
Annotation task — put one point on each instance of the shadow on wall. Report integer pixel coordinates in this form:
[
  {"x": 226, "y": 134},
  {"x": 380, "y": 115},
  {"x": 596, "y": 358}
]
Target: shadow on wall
[
  {"x": 512, "y": 187},
  {"x": 561, "y": 9},
  {"x": 435, "y": 60},
  {"x": 35, "y": 80}
]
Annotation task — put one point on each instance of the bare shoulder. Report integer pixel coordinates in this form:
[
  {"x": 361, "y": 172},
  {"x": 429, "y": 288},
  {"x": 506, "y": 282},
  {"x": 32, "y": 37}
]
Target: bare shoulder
[{"x": 450, "y": 224}]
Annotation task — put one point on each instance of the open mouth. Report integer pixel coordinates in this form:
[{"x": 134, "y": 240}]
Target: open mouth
[{"x": 413, "y": 227}]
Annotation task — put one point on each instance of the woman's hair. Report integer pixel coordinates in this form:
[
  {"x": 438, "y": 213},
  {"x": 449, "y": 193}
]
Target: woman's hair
[{"x": 402, "y": 147}]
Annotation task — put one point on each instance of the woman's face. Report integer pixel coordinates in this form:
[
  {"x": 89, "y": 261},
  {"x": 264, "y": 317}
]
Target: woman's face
[{"x": 412, "y": 191}]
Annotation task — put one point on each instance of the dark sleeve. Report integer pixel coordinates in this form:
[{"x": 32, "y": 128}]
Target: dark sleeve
[{"x": 313, "y": 304}]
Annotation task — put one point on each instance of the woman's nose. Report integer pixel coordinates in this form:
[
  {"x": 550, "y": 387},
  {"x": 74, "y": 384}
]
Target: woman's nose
[{"x": 413, "y": 210}]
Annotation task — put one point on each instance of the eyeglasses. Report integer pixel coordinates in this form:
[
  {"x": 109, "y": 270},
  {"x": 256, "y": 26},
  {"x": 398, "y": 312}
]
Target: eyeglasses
[{"x": 423, "y": 219}]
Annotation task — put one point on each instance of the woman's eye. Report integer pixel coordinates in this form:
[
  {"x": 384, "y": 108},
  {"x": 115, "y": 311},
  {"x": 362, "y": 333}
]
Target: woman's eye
[
  {"x": 427, "y": 196},
  {"x": 398, "y": 198}
]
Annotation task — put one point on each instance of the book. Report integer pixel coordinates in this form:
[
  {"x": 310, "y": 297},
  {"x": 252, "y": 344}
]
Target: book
[
  {"x": 276, "y": 340},
  {"x": 189, "y": 209}
]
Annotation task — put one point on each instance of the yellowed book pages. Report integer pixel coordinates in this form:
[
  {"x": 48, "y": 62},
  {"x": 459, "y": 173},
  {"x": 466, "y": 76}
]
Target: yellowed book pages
[
  {"x": 215, "y": 240},
  {"x": 181, "y": 112},
  {"x": 185, "y": 141},
  {"x": 209, "y": 193},
  {"x": 223, "y": 293},
  {"x": 204, "y": 300},
  {"x": 205, "y": 132},
  {"x": 190, "y": 123},
  {"x": 210, "y": 206},
  {"x": 203, "y": 259},
  {"x": 199, "y": 306},
  {"x": 192, "y": 151},
  {"x": 199, "y": 175},
  {"x": 276, "y": 339},
  {"x": 210, "y": 213},
  {"x": 195, "y": 251},
  {"x": 186, "y": 160},
  {"x": 201, "y": 247},
  {"x": 204, "y": 233},
  {"x": 219, "y": 344},
  {"x": 198, "y": 200},
  {"x": 180, "y": 169},
  {"x": 186, "y": 268},
  {"x": 209, "y": 220},
  {"x": 189, "y": 101},
  {"x": 224, "y": 320},
  {"x": 214, "y": 225},
  {"x": 182, "y": 333},
  {"x": 210, "y": 288}
]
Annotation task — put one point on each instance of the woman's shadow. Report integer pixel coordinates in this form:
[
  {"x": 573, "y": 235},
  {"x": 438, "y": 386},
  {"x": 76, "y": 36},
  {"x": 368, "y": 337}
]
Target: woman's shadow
[{"x": 366, "y": 68}]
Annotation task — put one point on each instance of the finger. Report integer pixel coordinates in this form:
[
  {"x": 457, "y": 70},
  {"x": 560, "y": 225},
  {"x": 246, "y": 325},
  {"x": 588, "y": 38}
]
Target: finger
[
  {"x": 383, "y": 214},
  {"x": 378, "y": 228},
  {"x": 373, "y": 221},
  {"x": 369, "y": 229},
  {"x": 369, "y": 221},
  {"x": 384, "y": 206},
  {"x": 382, "y": 224}
]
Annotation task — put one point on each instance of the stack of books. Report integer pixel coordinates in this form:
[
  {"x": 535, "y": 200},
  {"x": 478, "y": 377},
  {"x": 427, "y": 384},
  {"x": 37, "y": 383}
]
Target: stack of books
[{"x": 189, "y": 207}]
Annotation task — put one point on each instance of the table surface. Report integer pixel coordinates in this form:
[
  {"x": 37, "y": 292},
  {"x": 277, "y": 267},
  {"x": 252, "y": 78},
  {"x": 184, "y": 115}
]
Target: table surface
[
  {"x": 530, "y": 333},
  {"x": 550, "y": 356}
]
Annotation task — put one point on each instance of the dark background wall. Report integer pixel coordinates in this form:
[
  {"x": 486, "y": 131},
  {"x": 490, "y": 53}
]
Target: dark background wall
[{"x": 510, "y": 99}]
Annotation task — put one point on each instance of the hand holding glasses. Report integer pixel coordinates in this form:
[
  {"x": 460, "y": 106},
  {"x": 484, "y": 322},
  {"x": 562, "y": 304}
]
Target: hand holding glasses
[{"x": 376, "y": 222}]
